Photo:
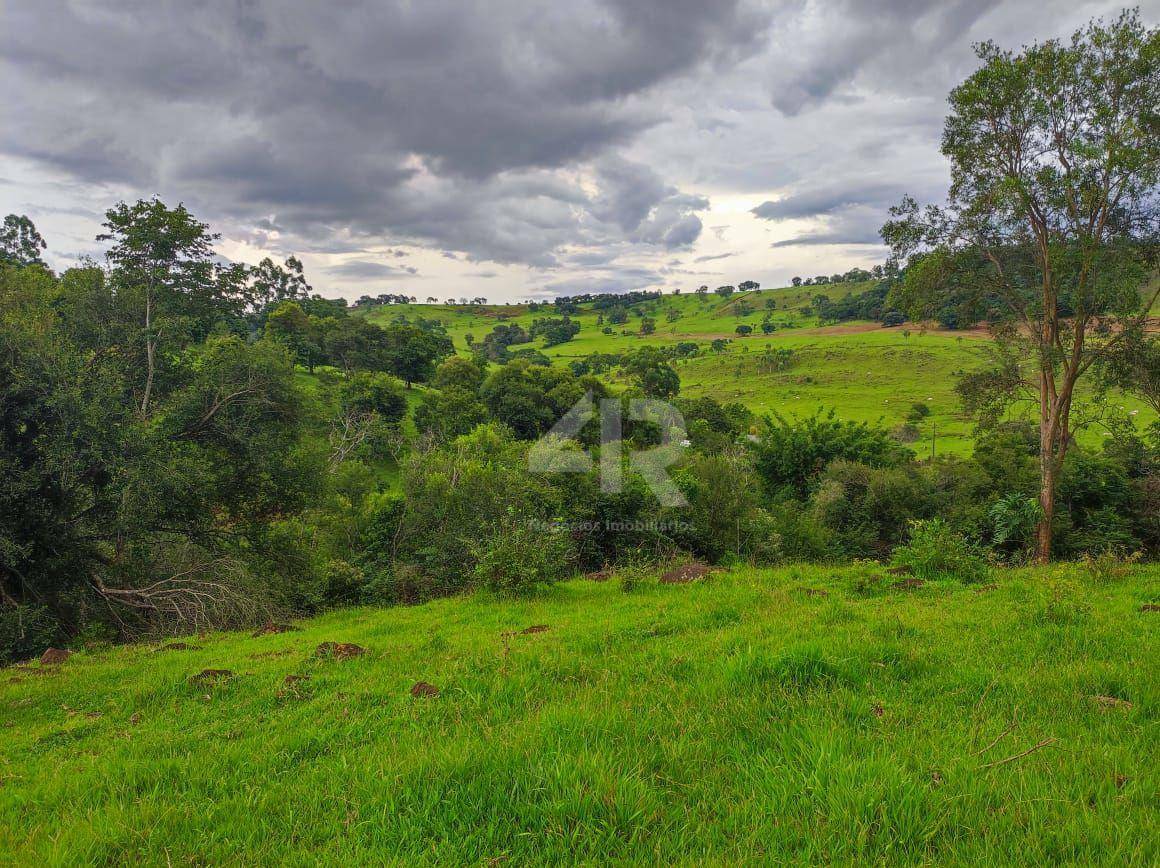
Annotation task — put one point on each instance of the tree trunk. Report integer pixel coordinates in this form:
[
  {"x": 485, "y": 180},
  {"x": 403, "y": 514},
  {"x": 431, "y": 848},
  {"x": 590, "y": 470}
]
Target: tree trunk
[
  {"x": 149, "y": 349},
  {"x": 1046, "y": 504}
]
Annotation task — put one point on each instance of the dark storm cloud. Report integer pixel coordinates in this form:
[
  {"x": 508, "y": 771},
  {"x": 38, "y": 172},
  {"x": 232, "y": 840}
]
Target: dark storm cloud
[{"x": 440, "y": 122}]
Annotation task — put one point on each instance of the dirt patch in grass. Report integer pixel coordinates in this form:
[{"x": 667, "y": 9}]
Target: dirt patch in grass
[
  {"x": 1150, "y": 607},
  {"x": 1112, "y": 702},
  {"x": 815, "y": 592},
  {"x": 911, "y": 584},
  {"x": 178, "y": 646},
  {"x": 535, "y": 628},
  {"x": 684, "y": 575},
  {"x": 423, "y": 689},
  {"x": 211, "y": 676},
  {"x": 271, "y": 627},
  {"x": 599, "y": 576},
  {"x": 54, "y": 657},
  {"x": 339, "y": 650}
]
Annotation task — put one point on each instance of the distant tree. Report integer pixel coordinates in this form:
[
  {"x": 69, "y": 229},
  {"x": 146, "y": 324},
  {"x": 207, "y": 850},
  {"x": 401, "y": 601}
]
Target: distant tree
[
  {"x": 724, "y": 291},
  {"x": 767, "y": 327},
  {"x": 744, "y": 330},
  {"x": 701, "y": 290},
  {"x": 748, "y": 285},
  {"x": 648, "y": 325},
  {"x": 718, "y": 345},
  {"x": 797, "y": 281},
  {"x": 618, "y": 315},
  {"x": 20, "y": 243}
]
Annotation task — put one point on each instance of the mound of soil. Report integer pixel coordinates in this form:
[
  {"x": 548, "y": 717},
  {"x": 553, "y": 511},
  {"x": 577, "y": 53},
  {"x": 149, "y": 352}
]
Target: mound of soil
[
  {"x": 816, "y": 592},
  {"x": 54, "y": 657},
  {"x": 178, "y": 646},
  {"x": 599, "y": 576},
  {"x": 898, "y": 571},
  {"x": 684, "y": 575},
  {"x": 1150, "y": 607},
  {"x": 270, "y": 627},
  {"x": 909, "y": 584},
  {"x": 209, "y": 676},
  {"x": 422, "y": 688},
  {"x": 535, "y": 628},
  {"x": 293, "y": 685},
  {"x": 339, "y": 650}
]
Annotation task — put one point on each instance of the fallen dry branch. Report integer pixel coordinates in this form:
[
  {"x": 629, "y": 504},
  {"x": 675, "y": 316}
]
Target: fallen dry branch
[{"x": 1029, "y": 750}]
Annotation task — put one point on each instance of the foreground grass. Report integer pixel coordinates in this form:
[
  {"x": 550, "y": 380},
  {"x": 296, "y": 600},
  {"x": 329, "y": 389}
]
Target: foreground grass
[{"x": 797, "y": 714}]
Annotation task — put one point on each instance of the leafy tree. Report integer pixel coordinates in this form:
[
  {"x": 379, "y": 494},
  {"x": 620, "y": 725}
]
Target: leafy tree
[
  {"x": 797, "y": 281},
  {"x": 652, "y": 374},
  {"x": 289, "y": 325},
  {"x": 555, "y": 331},
  {"x": 744, "y": 330},
  {"x": 1055, "y": 161},
  {"x": 20, "y": 243},
  {"x": 449, "y": 413},
  {"x": 271, "y": 283},
  {"x": 724, "y": 291},
  {"x": 412, "y": 353},
  {"x": 648, "y": 325},
  {"x": 458, "y": 372},
  {"x": 163, "y": 273}
]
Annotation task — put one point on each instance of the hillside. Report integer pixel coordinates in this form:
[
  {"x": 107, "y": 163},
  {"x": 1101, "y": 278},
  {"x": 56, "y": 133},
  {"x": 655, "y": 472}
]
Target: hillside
[
  {"x": 864, "y": 371},
  {"x": 797, "y": 714}
]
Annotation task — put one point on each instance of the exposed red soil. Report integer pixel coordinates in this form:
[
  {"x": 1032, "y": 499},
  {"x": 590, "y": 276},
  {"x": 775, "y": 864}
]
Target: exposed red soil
[
  {"x": 422, "y": 688},
  {"x": 684, "y": 575},
  {"x": 339, "y": 650},
  {"x": 54, "y": 657},
  {"x": 178, "y": 646}
]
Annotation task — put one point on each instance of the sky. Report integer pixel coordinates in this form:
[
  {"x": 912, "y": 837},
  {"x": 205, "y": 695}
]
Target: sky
[{"x": 509, "y": 150}]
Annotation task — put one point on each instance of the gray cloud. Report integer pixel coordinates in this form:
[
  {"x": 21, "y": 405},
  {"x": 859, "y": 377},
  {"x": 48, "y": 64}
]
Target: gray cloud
[
  {"x": 362, "y": 269},
  {"x": 434, "y": 122}
]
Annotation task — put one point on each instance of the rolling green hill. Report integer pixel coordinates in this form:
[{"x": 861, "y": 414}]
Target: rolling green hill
[
  {"x": 793, "y": 715},
  {"x": 862, "y": 370}
]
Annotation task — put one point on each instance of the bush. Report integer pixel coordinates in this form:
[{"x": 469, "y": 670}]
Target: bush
[
  {"x": 518, "y": 559},
  {"x": 790, "y": 456},
  {"x": 936, "y": 552}
]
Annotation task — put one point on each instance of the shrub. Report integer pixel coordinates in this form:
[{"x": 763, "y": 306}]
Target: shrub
[
  {"x": 790, "y": 456},
  {"x": 518, "y": 559},
  {"x": 1060, "y": 599},
  {"x": 937, "y": 552}
]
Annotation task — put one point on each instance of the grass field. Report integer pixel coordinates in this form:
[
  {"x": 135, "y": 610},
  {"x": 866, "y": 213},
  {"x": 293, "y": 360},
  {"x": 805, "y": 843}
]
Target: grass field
[{"x": 801, "y": 714}]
